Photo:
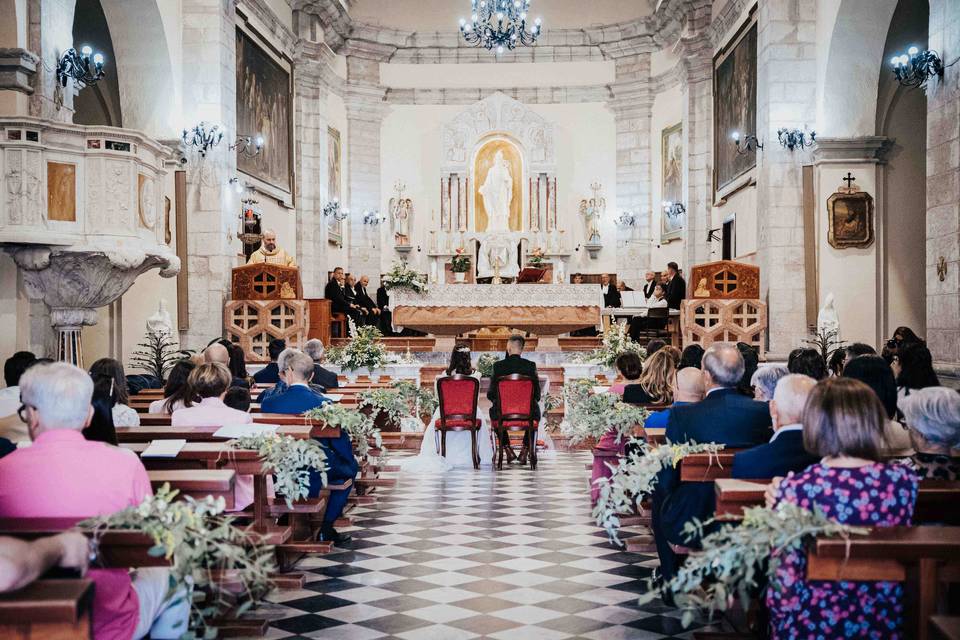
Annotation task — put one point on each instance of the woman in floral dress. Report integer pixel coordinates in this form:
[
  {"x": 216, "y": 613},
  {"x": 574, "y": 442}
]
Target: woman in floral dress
[{"x": 843, "y": 423}]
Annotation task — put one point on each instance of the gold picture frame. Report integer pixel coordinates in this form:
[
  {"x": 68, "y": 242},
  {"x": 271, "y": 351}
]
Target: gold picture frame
[
  {"x": 671, "y": 181},
  {"x": 850, "y": 219}
]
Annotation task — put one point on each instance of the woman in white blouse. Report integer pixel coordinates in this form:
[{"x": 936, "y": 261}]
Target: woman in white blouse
[{"x": 123, "y": 416}]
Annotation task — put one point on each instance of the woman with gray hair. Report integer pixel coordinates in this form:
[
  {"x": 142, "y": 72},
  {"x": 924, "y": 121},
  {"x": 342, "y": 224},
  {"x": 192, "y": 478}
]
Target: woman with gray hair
[
  {"x": 764, "y": 381},
  {"x": 933, "y": 419}
]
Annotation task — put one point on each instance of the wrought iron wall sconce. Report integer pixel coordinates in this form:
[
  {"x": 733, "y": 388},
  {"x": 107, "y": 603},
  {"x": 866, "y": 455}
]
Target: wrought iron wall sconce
[
  {"x": 250, "y": 146},
  {"x": 913, "y": 68},
  {"x": 626, "y": 220},
  {"x": 202, "y": 137},
  {"x": 333, "y": 209},
  {"x": 746, "y": 143},
  {"x": 796, "y": 138},
  {"x": 673, "y": 209},
  {"x": 78, "y": 66},
  {"x": 713, "y": 234},
  {"x": 371, "y": 218}
]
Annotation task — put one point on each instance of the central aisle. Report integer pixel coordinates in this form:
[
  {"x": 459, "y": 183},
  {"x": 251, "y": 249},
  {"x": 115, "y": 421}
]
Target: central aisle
[{"x": 509, "y": 554}]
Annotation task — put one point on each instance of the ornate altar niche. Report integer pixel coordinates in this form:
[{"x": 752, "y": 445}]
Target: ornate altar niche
[
  {"x": 267, "y": 304},
  {"x": 723, "y": 305}
]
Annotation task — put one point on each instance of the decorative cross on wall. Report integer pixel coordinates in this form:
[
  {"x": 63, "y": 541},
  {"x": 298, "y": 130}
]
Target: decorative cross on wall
[{"x": 849, "y": 179}]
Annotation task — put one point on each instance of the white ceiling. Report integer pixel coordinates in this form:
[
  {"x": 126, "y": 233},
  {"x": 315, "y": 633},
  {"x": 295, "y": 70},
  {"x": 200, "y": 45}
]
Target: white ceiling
[{"x": 444, "y": 15}]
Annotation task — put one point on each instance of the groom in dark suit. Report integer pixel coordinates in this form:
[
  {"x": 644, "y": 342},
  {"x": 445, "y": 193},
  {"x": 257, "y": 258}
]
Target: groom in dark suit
[{"x": 510, "y": 365}]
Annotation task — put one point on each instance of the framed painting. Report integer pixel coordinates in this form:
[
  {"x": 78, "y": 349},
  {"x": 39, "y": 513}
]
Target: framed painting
[
  {"x": 61, "y": 191},
  {"x": 335, "y": 180},
  {"x": 850, "y": 216},
  {"x": 671, "y": 181},
  {"x": 264, "y": 101},
  {"x": 734, "y": 106}
]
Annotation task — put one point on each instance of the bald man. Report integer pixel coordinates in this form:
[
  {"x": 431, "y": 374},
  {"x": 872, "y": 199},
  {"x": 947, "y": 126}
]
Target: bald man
[
  {"x": 687, "y": 389},
  {"x": 218, "y": 352},
  {"x": 270, "y": 253}
]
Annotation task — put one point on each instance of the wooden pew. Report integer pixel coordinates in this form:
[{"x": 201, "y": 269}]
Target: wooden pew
[
  {"x": 48, "y": 610},
  {"x": 197, "y": 483},
  {"x": 706, "y": 467},
  {"x": 117, "y": 549},
  {"x": 205, "y": 434},
  {"x": 163, "y": 419}
]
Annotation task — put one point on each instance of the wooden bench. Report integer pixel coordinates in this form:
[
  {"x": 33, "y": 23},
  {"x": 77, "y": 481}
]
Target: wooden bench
[
  {"x": 197, "y": 483},
  {"x": 148, "y": 433},
  {"x": 117, "y": 548},
  {"x": 707, "y": 467},
  {"x": 48, "y": 610}
]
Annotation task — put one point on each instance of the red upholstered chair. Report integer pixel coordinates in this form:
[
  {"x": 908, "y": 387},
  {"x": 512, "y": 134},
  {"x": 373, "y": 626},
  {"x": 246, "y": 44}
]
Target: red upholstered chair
[
  {"x": 515, "y": 406},
  {"x": 458, "y": 410}
]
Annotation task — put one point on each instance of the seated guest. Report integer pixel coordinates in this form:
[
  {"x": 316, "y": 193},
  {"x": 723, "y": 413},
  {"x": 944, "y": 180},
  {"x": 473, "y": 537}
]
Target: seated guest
[
  {"x": 691, "y": 356},
  {"x": 101, "y": 427},
  {"x": 856, "y": 350},
  {"x": 655, "y": 383},
  {"x": 299, "y": 397},
  {"x": 24, "y": 561},
  {"x": 365, "y": 301},
  {"x": 639, "y": 323},
  {"x": 238, "y": 365},
  {"x": 629, "y": 367},
  {"x": 687, "y": 389},
  {"x": 238, "y": 398},
  {"x": 335, "y": 292},
  {"x": 655, "y": 345},
  {"x": 913, "y": 368},
  {"x": 784, "y": 453},
  {"x": 281, "y": 385},
  {"x": 843, "y": 424},
  {"x": 809, "y": 362},
  {"x": 765, "y": 379},
  {"x": 123, "y": 416},
  {"x": 321, "y": 377},
  {"x": 218, "y": 352},
  {"x": 511, "y": 364},
  {"x": 751, "y": 360},
  {"x": 674, "y": 354},
  {"x": 176, "y": 393},
  {"x": 877, "y": 374},
  {"x": 270, "y": 373},
  {"x": 933, "y": 419},
  {"x": 350, "y": 292},
  {"x": 611, "y": 297},
  {"x": 835, "y": 364},
  {"x": 12, "y": 428},
  {"x": 64, "y": 476},
  {"x": 622, "y": 286}
]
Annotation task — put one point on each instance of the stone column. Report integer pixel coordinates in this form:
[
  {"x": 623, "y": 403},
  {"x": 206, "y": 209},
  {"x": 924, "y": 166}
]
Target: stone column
[
  {"x": 943, "y": 191},
  {"x": 696, "y": 53},
  {"x": 631, "y": 105},
  {"x": 786, "y": 97},
  {"x": 50, "y": 35},
  {"x": 209, "y": 94},
  {"x": 364, "y": 99}
]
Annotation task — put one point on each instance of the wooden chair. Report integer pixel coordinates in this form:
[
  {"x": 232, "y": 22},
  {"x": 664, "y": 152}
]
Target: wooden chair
[
  {"x": 515, "y": 406},
  {"x": 655, "y": 324},
  {"x": 338, "y": 325},
  {"x": 458, "y": 397}
]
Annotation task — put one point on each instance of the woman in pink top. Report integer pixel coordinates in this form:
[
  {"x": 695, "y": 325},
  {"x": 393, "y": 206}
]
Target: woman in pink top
[
  {"x": 210, "y": 382},
  {"x": 629, "y": 367},
  {"x": 176, "y": 393}
]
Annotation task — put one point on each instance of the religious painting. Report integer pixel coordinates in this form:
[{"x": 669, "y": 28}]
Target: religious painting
[
  {"x": 263, "y": 108},
  {"x": 850, "y": 219},
  {"x": 334, "y": 177},
  {"x": 61, "y": 192},
  {"x": 671, "y": 183},
  {"x": 734, "y": 106},
  {"x": 498, "y": 187}
]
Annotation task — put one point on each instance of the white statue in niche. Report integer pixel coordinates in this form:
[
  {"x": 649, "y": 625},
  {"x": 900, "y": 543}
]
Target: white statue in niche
[
  {"x": 828, "y": 320},
  {"x": 497, "y": 192},
  {"x": 160, "y": 322}
]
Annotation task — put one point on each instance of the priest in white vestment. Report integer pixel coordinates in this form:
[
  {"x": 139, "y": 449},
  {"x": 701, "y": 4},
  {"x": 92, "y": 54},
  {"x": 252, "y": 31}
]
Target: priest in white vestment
[{"x": 270, "y": 253}]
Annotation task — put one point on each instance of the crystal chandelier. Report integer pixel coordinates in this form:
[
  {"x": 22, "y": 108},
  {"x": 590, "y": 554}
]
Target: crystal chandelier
[{"x": 499, "y": 24}]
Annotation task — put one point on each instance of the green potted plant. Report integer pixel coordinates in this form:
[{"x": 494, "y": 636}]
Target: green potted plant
[
  {"x": 460, "y": 264},
  {"x": 537, "y": 258}
]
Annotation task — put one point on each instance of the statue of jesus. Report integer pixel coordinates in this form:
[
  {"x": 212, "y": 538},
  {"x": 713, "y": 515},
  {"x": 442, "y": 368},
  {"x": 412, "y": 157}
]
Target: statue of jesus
[{"x": 497, "y": 192}]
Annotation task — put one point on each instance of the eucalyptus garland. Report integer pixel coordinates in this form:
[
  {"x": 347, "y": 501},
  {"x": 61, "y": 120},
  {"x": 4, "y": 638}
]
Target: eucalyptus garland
[
  {"x": 421, "y": 401},
  {"x": 358, "y": 426},
  {"x": 289, "y": 459},
  {"x": 636, "y": 476},
  {"x": 386, "y": 401},
  {"x": 204, "y": 546},
  {"x": 592, "y": 415},
  {"x": 616, "y": 341},
  {"x": 485, "y": 364},
  {"x": 737, "y": 560}
]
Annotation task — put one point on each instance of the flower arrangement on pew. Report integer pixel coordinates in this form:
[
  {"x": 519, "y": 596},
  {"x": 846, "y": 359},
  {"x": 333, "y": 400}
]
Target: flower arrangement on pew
[
  {"x": 636, "y": 476},
  {"x": 406, "y": 400},
  {"x": 592, "y": 415},
  {"x": 365, "y": 350},
  {"x": 289, "y": 459},
  {"x": 616, "y": 341},
  {"x": 230, "y": 567},
  {"x": 402, "y": 276},
  {"x": 736, "y": 561},
  {"x": 358, "y": 426},
  {"x": 485, "y": 364}
]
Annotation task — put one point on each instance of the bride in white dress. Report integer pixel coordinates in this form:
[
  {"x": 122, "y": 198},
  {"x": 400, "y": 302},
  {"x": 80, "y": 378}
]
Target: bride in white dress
[{"x": 459, "y": 451}]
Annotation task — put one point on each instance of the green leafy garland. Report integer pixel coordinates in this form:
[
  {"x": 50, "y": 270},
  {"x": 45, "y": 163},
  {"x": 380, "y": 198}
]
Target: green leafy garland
[
  {"x": 592, "y": 415},
  {"x": 289, "y": 459},
  {"x": 616, "y": 341},
  {"x": 636, "y": 476},
  {"x": 202, "y": 545},
  {"x": 736, "y": 560},
  {"x": 420, "y": 400},
  {"x": 358, "y": 426},
  {"x": 402, "y": 276},
  {"x": 364, "y": 351},
  {"x": 485, "y": 364}
]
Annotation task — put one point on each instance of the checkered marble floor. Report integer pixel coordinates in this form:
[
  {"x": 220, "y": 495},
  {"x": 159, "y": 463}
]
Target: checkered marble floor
[{"x": 477, "y": 554}]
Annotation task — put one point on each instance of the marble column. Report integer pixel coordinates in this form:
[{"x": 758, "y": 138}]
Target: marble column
[{"x": 50, "y": 34}]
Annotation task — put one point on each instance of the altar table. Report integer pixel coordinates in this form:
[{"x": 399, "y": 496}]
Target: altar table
[{"x": 547, "y": 310}]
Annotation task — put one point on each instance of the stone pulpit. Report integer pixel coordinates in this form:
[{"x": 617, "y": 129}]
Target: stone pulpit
[
  {"x": 267, "y": 304},
  {"x": 723, "y": 305}
]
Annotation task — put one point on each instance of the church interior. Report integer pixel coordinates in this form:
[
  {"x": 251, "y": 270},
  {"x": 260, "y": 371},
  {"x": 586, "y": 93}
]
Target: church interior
[{"x": 537, "y": 319}]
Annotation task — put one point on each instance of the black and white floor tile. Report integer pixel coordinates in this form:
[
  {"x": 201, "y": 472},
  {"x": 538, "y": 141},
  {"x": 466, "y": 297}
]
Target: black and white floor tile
[{"x": 477, "y": 554}]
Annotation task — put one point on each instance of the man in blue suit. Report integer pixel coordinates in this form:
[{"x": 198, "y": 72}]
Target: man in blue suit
[
  {"x": 725, "y": 417},
  {"x": 784, "y": 453},
  {"x": 342, "y": 465}
]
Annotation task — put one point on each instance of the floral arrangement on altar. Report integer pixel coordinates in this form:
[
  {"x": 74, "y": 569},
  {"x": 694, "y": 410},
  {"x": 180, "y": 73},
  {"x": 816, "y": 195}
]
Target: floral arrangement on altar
[
  {"x": 359, "y": 427},
  {"x": 536, "y": 258},
  {"x": 616, "y": 341},
  {"x": 592, "y": 415},
  {"x": 460, "y": 262},
  {"x": 402, "y": 276},
  {"x": 289, "y": 459},
  {"x": 364, "y": 351},
  {"x": 636, "y": 476},
  {"x": 203, "y": 545},
  {"x": 485, "y": 364},
  {"x": 404, "y": 400},
  {"x": 736, "y": 561}
]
